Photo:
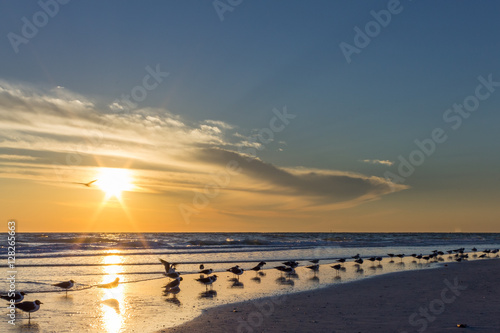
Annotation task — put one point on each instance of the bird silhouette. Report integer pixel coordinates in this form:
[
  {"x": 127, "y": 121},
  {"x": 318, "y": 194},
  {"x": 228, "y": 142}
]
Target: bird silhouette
[
  {"x": 86, "y": 184},
  {"x": 65, "y": 285},
  {"x": 29, "y": 307}
]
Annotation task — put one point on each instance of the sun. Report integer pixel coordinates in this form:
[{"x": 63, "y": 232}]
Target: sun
[{"x": 114, "y": 181}]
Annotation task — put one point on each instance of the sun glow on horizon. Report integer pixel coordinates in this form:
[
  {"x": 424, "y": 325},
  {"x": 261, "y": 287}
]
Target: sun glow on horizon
[{"x": 114, "y": 181}]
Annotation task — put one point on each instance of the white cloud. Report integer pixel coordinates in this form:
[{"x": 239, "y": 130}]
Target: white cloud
[
  {"x": 40, "y": 129},
  {"x": 383, "y": 162}
]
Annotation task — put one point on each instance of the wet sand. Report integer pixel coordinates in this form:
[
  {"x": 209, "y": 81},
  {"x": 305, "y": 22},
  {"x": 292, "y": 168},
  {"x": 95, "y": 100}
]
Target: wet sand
[{"x": 433, "y": 300}]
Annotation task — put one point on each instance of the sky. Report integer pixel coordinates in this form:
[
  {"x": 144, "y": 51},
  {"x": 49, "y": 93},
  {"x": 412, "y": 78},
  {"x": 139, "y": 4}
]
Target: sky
[{"x": 253, "y": 116}]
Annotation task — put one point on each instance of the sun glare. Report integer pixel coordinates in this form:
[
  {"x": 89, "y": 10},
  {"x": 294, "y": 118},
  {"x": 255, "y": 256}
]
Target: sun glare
[{"x": 114, "y": 181}]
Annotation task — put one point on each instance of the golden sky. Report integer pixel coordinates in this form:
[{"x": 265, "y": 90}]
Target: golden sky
[{"x": 155, "y": 172}]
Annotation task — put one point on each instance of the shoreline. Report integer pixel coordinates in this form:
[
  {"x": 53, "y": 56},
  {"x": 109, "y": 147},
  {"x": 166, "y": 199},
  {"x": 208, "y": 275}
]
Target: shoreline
[{"x": 430, "y": 300}]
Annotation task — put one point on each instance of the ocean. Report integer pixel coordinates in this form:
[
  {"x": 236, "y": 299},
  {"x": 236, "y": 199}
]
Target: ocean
[
  {"x": 86, "y": 256},
  {"x": 43, "y": 259}
]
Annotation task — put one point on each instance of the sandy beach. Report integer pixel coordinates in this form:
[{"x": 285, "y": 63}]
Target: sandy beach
[{"x": 435, "y": 300}]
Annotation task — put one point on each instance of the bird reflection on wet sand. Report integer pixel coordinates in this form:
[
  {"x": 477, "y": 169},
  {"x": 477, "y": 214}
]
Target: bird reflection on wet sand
[
  {"x": 173, "y": 300},
  {"x": 112, "y": 303},
  {"x": 284, "y": 281},
  {"x": 236, "y": 284},
  {"x": 256, "y": 279},
  {"x": 210, "y": 294},
  {"x": 314, "y": 279}
]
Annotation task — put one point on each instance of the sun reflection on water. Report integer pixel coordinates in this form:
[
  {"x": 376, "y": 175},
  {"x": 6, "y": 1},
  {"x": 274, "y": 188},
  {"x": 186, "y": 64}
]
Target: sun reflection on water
[{"x": 112, "y": 301}]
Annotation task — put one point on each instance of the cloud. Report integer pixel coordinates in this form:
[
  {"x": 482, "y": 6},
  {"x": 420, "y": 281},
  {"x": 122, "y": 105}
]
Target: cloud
[
  {"x": 325, "y": 186},
  {"x": 383, "y": 162},
  {"x": 58, "y": 136}
]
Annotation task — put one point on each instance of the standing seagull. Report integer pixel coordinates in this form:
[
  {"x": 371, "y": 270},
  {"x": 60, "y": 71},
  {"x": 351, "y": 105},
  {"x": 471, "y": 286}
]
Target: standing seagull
[
  {"x": 236, "y": 270},
  {"x": 17, "y": 297},
  {"x": 207, "y": 281},
  {"x": 64, "y": 285},
  {"x": 206, "y": 271},
  {"x": 314, "y": 268},
  {"x": 29, "y": 307},
  {"x": 341, "y": 261},
  {"x": 359, "y": 261},
  {"x": 173, "y": 284},
  {"x": 256, "y": 269},
  {"x": 337, "y": 267}
]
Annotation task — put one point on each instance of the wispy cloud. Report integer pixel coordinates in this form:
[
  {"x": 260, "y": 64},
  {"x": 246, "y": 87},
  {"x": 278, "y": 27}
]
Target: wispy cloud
[
  {"x": 383, "y": 162},
  {"x": 41, "y": 129}
]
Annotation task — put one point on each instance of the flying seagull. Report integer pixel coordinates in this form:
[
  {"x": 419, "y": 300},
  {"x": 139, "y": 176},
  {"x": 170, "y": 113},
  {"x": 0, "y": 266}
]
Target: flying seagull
[{"x": 87, "y": 184}]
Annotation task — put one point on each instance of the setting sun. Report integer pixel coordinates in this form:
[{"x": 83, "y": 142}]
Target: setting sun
[{"x": 114, "y": 181}]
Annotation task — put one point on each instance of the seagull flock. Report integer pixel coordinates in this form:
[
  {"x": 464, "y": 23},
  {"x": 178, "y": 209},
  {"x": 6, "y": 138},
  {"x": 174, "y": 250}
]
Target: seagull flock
[{"x": 207, "y": 278}]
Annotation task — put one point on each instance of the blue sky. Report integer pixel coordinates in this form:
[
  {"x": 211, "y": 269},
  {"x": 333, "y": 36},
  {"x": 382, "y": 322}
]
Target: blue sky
[{"x": 271, "y": 54}]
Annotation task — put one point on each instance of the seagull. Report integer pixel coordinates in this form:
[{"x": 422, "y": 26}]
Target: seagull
[
  {"x": 291, "y": 264},
  {"x": 372, "y": 259},
  {"x": 173, "y": 284},
  {"x": 400, "y": 256},
  {"x": 110, "y": 285},
  {"x": 65, "y": 285},
  {"x": 314, "y": 261},
  {"x": 207, "y": 281},
  {"x": 29, "y": 307},
  {"x": 173, "y": 275},
  {"x": 379, "y": 259},
  {"x": 87, "y": 184},
  {"x": 18, "y": 297},
  {"x": 341, "y": 260},
  {"x": 262, "y": 263},
  {"x": 356, "y": 256},
  {"x": 170, "y": 269},
  {"x": 285, "y": 269},
  {"x": 337, "y": 268},
  {"x": 206, "y": 271},
  {"x": 314, "y": 268},
  {"x": 359, "y": 261},
  {"x": 390, "y": 255},
  {"x": 256, "y": 269},
  {"x": 236, "y": 270}
]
